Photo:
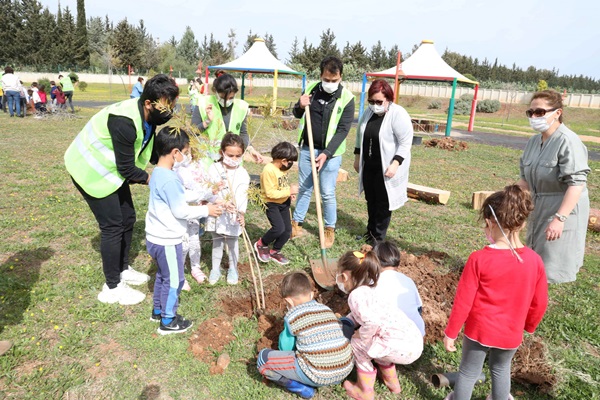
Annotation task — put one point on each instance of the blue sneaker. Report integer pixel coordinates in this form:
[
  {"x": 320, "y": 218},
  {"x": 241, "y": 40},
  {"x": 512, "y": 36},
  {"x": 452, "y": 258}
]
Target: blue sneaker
[
  {"x": 302, "y": 390},
  {"x": 232, "y": 276},
  {"x": 214, "y": 276}
]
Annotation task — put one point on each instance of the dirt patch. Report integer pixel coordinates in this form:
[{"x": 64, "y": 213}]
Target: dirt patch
[
  {"x": 447, "y": 144},
  {"x": 530, "y": 364},
  {"x": 437, "y": 288}
]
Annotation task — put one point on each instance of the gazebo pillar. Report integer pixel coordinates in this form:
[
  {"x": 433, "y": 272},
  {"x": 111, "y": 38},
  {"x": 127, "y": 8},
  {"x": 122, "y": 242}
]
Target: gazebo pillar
[
  {"x": 451, "y": 109},
  {"x": 473, "y": 109}
]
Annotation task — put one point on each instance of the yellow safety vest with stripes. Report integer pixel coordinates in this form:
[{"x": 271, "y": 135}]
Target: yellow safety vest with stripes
[
  {"x": 336, "y": 115},
  {"x": 90, "y": 159}
]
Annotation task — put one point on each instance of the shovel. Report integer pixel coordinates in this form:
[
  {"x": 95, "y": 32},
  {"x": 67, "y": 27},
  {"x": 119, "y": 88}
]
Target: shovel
[{"x": 323, "y": 270}]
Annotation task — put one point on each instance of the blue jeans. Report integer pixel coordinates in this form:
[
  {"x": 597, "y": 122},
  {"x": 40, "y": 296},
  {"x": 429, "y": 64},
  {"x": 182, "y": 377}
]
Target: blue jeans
[
  {"x": 14, "y": 101},
  {"x": 327, "y": 179}
]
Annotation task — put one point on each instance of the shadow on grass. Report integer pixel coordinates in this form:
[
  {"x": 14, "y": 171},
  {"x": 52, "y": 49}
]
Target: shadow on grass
[
  {"x": 18, "y": 274},
  {"x": 150, "y": 392}
]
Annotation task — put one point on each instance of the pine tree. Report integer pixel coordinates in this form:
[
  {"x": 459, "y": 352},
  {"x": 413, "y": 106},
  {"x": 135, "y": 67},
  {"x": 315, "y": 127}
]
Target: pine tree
[
  {"x": 126, "y": 45},
  {"x": 270, "y": 43},
  {"x": 294, "y": 51},
  {"x": 249, "y": 41},
  {"x": 82, "y": 52},
  {"x": 231, "y": 44},
  {"x": 327, "y": 46},
  {"x": 187, "y": 49},
  {"x": 379, "y": 57},
  {"x": 68, "y": 40}
]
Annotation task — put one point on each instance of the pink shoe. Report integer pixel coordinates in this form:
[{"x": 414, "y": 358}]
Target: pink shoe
[
  {"x": 186, "y": 286},
  {"x": 198, "y": 275}
]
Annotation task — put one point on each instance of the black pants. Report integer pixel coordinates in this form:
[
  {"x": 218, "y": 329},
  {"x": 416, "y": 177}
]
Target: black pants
[
  {"x": 281, "y": 225},
  {"x": 378, "y": 205},
  {"x": 69, "y": 98},
  {"x": 116, "y": 216}
]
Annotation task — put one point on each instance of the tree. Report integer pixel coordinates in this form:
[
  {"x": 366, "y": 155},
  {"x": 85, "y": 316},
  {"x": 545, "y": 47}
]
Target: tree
[
  {"x": 379, "y": 57},
  {"x": 249, "y": 40},
  {"x": 82, "y": 53},
  {"x": 356, "y": 54},
  {"x": 231, "y": 43},
  {"x": 67, "y": 50},
  {"x": 542, "y": 85},
  {"x": 270, "y": 43},
  {"x": 126, "y": 45},
  {"x": 294, "y": 51},
  {"x": 327, "y": 46},
  {"x": 187, "y": 48}
]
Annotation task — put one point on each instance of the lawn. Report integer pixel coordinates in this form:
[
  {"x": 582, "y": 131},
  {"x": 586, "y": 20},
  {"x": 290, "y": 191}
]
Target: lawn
[{"x": 68, "y": 345}]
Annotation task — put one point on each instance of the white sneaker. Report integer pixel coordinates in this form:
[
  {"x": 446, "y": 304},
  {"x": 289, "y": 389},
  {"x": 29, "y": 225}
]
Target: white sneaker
[
  {"x": 122, "y": 294},
  {"x": 133, "y": 277},
  {"x": 510, "y": 397}
]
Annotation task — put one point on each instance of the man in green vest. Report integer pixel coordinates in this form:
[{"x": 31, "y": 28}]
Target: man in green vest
[
  {"x": 67, "y": 88},
  {"x": 110, "y": 153},
  {"x": 331, "y": 113}
]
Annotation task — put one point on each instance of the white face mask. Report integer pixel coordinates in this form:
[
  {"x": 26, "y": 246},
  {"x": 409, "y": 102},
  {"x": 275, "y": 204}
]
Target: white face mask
[
  {"x": 540, "y": 124},
  {"x": 224, "y": 103},
  {"x": 330, "y": 87},
  {"x": 187, "y": 159},
  {"x": 231, "y": 162},
  {"x": 377, "y": 109},
  {"x": 340, "y": 285}
]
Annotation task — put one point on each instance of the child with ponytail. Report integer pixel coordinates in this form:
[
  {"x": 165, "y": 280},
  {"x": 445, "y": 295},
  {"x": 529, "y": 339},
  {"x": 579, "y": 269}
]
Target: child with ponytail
[
  {"x": 502, "y": 291},
  {"x": 384, "y": 334}
]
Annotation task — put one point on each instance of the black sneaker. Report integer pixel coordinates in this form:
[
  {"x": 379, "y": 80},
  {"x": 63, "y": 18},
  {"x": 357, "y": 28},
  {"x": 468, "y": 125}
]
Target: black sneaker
[
  {"x": 155, "y": 317},
  {"x": 178, "y": 325},
  {"x": 262, "y": 251},
  {"x": 279, "y": 258}
]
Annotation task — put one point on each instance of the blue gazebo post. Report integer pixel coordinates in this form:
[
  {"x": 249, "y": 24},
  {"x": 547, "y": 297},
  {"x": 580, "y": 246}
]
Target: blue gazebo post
[
  {"x": 451, "y": 109},
  {"x": 362, "y": 96}
]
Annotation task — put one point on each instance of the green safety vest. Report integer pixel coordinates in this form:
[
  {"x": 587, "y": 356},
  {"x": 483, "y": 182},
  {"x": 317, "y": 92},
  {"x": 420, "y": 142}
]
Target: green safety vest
[
  {"x": 90, "y": 159},
  {"x": 67, "y": 85},
  {"x": 216, "y": 129},
  {"x": 336, "y": 115}
]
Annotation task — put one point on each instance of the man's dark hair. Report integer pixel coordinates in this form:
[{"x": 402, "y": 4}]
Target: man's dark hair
[
  {"x": 169, "y": 138},
  {"x": 332, "y": 64},
  {"x": 284, "y": 150},
  {"x": 158, "y": 87}
]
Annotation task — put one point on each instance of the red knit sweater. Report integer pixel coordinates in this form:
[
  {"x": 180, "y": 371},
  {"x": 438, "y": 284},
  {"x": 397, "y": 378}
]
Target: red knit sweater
[{"x": 498, "y": 297}]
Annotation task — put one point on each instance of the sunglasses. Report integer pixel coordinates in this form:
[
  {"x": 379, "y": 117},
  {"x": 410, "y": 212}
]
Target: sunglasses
[
  {"x": 378, "y": 102},
  {"x": 538, "y": 112}
]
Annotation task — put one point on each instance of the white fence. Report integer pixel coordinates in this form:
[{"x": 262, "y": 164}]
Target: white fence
[{"x": 406, "y": 89}]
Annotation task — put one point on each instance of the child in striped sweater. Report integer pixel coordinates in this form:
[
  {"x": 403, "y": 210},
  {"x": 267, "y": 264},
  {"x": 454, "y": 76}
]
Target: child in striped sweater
[{"x": 313, "y": 351}]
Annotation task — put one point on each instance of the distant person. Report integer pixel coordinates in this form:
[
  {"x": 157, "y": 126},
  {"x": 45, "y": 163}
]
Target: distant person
[
  {"x": 220, "y": 113},
  {"x": 12, "y": 90},
  {"x": 166, "y": 221},
  {"x": 277, "y": 194},
  {"x": 68, "y": 89},
  {"x": 53, "y": 95},
  {"x": 60, "y": 98},
  {"x": 554, "y": 168},
  {"x": 382, "y": 158},
  {"x": 331, "y": 113},
  {"x": 501, "y": 293},
  {"x": 138, "y": 88},
  {"x": 313, "y": 351},
  {"x": 109, "y": 154}
]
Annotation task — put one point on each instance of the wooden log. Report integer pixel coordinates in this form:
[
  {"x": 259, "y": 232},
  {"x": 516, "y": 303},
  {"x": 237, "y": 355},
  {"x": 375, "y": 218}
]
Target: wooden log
[
  {"x": 479, "y": 197},
  {"x": 342, "y": 175},
  {"x": 427, "y": 194},
  {"x": 594, "y": 220}
]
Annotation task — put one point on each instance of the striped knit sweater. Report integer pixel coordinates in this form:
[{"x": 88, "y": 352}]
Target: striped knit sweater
[{"x": 323, "y": 353}]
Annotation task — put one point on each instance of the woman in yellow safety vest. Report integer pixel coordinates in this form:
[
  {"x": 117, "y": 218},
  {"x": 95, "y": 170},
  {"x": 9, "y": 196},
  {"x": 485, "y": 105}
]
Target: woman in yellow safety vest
[{"x": 220, "y": 113}]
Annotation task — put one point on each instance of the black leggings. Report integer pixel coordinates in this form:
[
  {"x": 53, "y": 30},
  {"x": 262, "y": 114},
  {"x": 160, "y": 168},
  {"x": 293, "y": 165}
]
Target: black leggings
[
  {"x": 378, "y": 206},
  {"x": 116, "y": 216},
  {"x": 281, "y": 225}
]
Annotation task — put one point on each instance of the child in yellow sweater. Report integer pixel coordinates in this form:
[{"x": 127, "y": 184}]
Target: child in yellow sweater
[{"x": 277, "y": 194}]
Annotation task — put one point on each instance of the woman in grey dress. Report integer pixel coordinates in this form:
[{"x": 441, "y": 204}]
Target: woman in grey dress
[{"x": 554, "y": 168}]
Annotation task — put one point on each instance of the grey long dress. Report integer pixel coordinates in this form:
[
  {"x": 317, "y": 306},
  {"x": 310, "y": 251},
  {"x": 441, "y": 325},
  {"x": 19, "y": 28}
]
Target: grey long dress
[{"x": 549, "y": 169}]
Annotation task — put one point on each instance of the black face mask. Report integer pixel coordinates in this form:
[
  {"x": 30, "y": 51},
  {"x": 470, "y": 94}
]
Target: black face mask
[
  {"x": 286, "y": 167},
  {"x": 157, "y": 117}
]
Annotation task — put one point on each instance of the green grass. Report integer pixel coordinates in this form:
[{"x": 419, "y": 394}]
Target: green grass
[{"x": 68, "y": 345}]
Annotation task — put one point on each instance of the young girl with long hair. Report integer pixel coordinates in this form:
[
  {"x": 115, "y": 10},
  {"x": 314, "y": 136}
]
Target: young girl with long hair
[{"x": 502, "y": 291}]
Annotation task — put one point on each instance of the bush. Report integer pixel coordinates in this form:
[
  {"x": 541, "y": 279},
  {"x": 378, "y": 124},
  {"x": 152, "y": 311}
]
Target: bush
[
  {"x": 466, "y": 97},
  {"x": 462, "y": 107},
  {"x": 488, "y": 106},
  {"x": 74, "y": 77},
  {"x": 46, "y": 82},
  {"x": 434, "y": 105},
  {"x": 83, "y": 86}
]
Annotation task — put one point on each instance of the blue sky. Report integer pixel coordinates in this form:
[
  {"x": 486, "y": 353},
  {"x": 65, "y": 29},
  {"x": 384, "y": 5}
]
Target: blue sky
[{"x": 546, "y": 34}]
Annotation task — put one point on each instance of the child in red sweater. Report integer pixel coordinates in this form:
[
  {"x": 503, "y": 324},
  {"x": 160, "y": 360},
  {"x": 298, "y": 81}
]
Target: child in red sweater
[{"x": 502, "y": 291}]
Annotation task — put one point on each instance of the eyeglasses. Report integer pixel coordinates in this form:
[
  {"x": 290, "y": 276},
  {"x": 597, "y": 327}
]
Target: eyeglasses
[
  {"x": 378, "y": 102},
  {"x": 538, "y": 112}
]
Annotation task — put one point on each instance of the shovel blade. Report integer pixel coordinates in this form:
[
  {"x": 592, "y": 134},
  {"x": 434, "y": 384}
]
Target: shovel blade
[{"x": 324, "y": 274}]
